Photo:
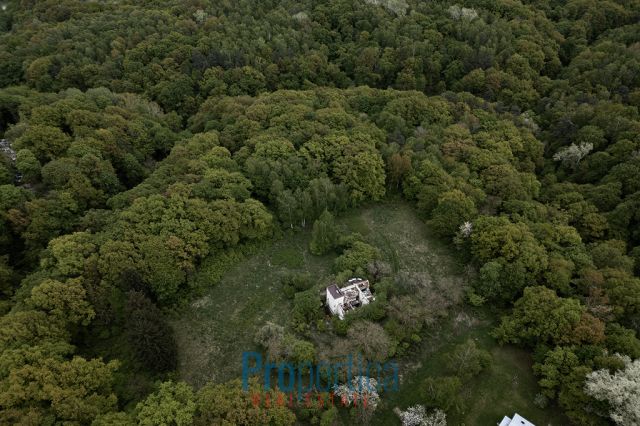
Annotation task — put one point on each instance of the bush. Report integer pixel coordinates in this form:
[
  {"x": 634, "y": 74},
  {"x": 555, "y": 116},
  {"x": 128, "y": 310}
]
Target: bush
[
  {"x": 329, "y": 417},
  {"x": 475, "y": 299},
  {"x": 541, "y": 401},
  {"x": 302, "y": 351},
  {"x": 296, "y": 282},
  {"x": 271, "y": 337},
  {"x": 371, "y": 340},
  {"x": 355, "y": 259},
  {"x": 467, "y": 360},
  {"x": 441, "y": 392},
  {"x": 306, "y": 308},
  {"x": 340, "y": 327}
]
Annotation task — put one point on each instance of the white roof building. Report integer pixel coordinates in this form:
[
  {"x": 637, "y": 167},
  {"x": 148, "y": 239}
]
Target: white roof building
[
  {"x": 342, "y": 300},
  {"x": 517, "y": 420}
]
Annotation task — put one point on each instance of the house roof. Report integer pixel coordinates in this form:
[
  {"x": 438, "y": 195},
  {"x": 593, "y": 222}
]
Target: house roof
[
  {"x": 517, "y": 420},
  {"x": 334, "y": 291}
]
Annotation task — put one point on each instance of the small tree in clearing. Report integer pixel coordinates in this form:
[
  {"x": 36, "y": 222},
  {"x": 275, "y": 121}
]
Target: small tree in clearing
[
  {"x": 417, "y": 416},
  {"x": 362, "y": 393},
  {"x": 324, "y": 235}
]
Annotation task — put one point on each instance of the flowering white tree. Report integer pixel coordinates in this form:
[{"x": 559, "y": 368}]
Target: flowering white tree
[
  {"x": 462, "y": 13},
  {"x": 466, "y": 229},
  {"x": 621, "y": 390},
  {"x": 417, "y": 416},
  {"x": 572, "y": 154},
  {"x": 363, "y": 394},
  {"x": 399, "y": 7},
  {"x": 301, "y": 16},
  {"x": 363, "y": 391}
]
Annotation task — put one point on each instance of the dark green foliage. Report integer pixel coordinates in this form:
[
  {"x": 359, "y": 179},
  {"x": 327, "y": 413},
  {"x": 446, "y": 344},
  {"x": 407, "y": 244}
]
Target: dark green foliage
[
  {"x": 622, "y": 340},
  {"x": 149, "y": 335},
  {"x": 453, "y": 209},
  {"x": 293, "y": 283},
  {"x": 540, "y": 317},
  {"x": 441, "y": 392},
  {"x": 307, "y": 308},
  {"x": 467, "y": 360},
  {"x": 248, "y": 115}
]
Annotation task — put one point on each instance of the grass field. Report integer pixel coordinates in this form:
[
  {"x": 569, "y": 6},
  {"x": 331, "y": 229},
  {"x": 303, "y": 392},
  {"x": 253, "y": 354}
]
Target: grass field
[
  {"x": 508, "y": 386},
  {"x": 215, "y": 329}
]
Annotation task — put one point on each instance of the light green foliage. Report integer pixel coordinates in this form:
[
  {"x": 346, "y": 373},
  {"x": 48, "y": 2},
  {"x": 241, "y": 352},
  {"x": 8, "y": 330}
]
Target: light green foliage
[
  {"x": 113, "y": 419},
  {"x": 68, "y": 254},
  {"x": 303, "y": 352},
  {"x": 228, "y": 403},
  {"x": 66, "y": 301},
  {"x": 497, "y": 237},
  {"x": 355, "y": 258},
  {"x": 45, "y": 142},
  {"x": 51, "y": 388},
  {"x": 324, "y": 235},
  {"x": 28, "y": 165},
  {"x": 172, "y": 404},
  {"x": 329, "y": 417},
  {"x": 163, "y": 237}
]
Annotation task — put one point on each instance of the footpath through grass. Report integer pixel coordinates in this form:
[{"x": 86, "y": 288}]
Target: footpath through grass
[{"x": 214, "y": 330}]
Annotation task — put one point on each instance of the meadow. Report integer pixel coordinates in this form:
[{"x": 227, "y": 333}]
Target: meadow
[{"x": 216, "y": 328}]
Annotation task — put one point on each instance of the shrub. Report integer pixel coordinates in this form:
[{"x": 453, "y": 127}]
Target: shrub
[
  {"x": 306, "y": 308},
  {"x": 441, "y": 392},
  {"x": 355, "y": 259},
  {"x": 467, "y": 360},
  {"x": 296, "y": 282}
]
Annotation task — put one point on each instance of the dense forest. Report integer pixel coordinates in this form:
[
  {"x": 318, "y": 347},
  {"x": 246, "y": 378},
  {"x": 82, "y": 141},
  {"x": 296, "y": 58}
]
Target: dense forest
[{"x": 141, "y": 138}]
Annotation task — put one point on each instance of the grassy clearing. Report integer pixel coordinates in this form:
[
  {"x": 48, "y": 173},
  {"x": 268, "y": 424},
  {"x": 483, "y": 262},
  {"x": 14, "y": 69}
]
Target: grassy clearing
[
  {"x": 215, "y": 329},
  {"x": 404, "y": 241},
  {"x": 508, "y": 385}
]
